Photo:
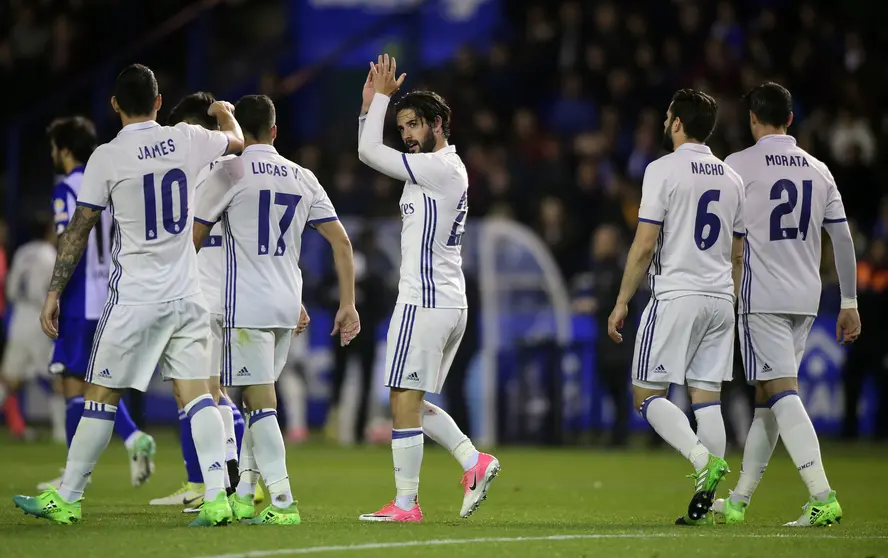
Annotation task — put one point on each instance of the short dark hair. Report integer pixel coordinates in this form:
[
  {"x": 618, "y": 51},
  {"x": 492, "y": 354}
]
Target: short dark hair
[
  {"x": 771, "y": 103},
  {"x": 256, "y": 115},
  {"x": 136, "y": 90},
  {"x": 427, "y": 105},
  {"x": 697, "y": 112},
  {"x": 76, "y": 134},
  {"x": 193, "y": 109},
  {"x": 40, "y": 225}
]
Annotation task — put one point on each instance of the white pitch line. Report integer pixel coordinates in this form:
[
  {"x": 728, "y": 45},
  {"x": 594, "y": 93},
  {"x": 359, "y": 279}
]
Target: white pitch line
[{"x": 442, "y": 542}]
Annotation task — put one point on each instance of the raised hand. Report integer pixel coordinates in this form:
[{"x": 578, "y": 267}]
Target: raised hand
[
  {"x": 368, "y": 92},
  {"x": 384, "y": 73}
]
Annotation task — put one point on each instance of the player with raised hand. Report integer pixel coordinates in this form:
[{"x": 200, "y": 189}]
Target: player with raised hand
[
  {"x": 790, "y": 196},
  {"x": 73, "y": 141},
  {"x": 691, "y": 203},
  {"x": 264, "y": 202},
  {"x": 194, "y": 109},
  {"x": 430, "y": 315},
  {"x": 155, "y": 311}
]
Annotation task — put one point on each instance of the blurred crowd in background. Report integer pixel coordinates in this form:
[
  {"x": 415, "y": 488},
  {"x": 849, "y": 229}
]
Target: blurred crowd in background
[{"x": 557, "y": 121}]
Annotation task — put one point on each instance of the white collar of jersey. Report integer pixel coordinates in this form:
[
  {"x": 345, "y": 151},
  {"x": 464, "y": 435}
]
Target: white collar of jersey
[
  {"x": 260, "y": 147},
  {"x": 778, "y": 137},
  {"x": 698, "y": 147},
  {"x": 139, "y": 126}
]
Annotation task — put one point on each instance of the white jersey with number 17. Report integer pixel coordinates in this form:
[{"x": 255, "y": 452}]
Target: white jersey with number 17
[
  {"x": 146, "y": 175},
  {"x": 789, "y": 196},
  {"x": 265, "y": 201},
  {"x": 697, "y": 199}
]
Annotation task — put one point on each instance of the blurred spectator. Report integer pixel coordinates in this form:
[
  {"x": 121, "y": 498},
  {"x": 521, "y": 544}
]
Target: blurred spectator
[{"x": 869, "y": 355}]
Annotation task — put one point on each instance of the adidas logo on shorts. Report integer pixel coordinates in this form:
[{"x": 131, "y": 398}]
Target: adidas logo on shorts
[
  {"x": 104, "y": 374},
  {"x": 413, "y": 377},
  {"x": 766, "y": 368},
  {"x": 660, "y": 369},
  {"x": 243, "y": 372}
]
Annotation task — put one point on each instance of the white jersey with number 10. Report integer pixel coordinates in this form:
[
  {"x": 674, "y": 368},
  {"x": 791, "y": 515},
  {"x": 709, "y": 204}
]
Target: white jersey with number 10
[
  {"x": 789, "y": 196},
  {"x": 698, "y": 200},
  {"x": 146, "y": 176}
]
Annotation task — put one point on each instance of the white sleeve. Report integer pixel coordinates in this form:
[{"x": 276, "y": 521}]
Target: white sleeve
[
  {"x": 213, "y": 196},
  {"x": 835, "y": 209},
  {"x": 95, "y": 189},
  {"x": 321, "y": 209},
  {"x": 740, "y": 219},
  {"x": 206, "y": 145},
  {"x": 654, "y": 195}
]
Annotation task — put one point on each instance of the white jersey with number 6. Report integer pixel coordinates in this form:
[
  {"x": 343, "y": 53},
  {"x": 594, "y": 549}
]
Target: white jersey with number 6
[
  {"x": 697, "y": 199},
  {"x": 789, "y": 196},
  {"x": 147, "y": 176},
  {"x": 264, "y": 201}
]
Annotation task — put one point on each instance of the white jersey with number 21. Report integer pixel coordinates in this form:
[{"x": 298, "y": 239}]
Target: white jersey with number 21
[{"x": 789, "y": 196}]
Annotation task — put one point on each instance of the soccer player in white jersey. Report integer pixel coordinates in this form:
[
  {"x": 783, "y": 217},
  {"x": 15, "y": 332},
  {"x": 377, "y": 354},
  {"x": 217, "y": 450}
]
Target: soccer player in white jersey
[
  {"x": 790, "y": 195},
  {"x": 689, "y": 244},
  {"x": 155, "y": 312},
  {"x": 27, "y": 351},
  {"x": 264, "y": 202},
  {"x": 193, "y": 109},
  {"x": 73, "y": 140},
  {"x": 430, "y": 315}
]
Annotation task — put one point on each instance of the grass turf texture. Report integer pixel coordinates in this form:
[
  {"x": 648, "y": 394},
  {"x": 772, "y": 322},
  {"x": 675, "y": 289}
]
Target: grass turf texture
[{"x": 546, "y": 502}]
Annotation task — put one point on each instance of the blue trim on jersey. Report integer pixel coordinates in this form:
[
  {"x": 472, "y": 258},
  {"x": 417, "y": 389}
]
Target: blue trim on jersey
[
  {"x": 91, "y": 206},
  {"x": 323, "y": 220},
  {"x": 830, "y": 221},
  {"x": 746, "y": 281},
  {"x": 116, "y": 268},
  {"x": 739, "y": 234},
  {"x": 426, "y": 264},
  {"x": 410, "y": 172},
  {"x": 651, "y": 221},
  {"x": 656, "y": 265},
  {"x": 203, "y": 222}
]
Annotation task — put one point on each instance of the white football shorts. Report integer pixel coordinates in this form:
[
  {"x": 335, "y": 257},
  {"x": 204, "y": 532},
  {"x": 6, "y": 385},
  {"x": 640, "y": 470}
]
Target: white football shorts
[
  {"x": 421, "y": 345},
  {"x": 689, "y": 339},
  {"x": 131, "y": 341},
  {"x": 25, "y": 360},
  {"x": 252, "y": 357},
  {"x": 772, "y": 345}
]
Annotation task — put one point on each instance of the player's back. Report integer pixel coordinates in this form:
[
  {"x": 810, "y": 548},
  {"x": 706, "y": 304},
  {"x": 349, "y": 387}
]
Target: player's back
[
  {"x": 210, "y": 258},
  {"x": 147, "y": 176},
  {"x": 789, "y": 196},
  {"x": 700, "y": 201},
  {"x": 270, "y": 201}
]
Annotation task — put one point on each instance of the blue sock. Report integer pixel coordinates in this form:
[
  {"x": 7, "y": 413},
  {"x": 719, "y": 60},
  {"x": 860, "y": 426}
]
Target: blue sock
[
  {"x": 73, "y": 412},
  {"x": 189, "y": 452},
  {"x": 123, "y": 422},
  {"x": 239, "y": 424}
]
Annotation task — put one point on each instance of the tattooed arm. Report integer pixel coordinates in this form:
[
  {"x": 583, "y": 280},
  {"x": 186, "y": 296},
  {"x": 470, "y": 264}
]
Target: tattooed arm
[
  {"x": 71, "y": 246},
  {"x": 72, "y": 243}
]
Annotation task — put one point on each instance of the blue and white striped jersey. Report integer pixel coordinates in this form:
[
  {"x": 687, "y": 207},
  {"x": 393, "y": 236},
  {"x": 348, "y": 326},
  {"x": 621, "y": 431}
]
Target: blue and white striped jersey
[{"x": 87, "y": 291}]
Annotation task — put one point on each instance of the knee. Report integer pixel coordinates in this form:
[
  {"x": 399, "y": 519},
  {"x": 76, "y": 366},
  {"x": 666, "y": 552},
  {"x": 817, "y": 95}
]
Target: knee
[
  {"x": 260, "y": 397},
  {"x": 405, "y": 402},
  {"x": 640, "y": 396},
  {"x": 101, "y": 394}
]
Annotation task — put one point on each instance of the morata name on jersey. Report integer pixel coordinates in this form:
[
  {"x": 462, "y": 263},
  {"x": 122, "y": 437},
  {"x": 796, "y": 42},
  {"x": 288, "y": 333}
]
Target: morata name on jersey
[{"x": 786, "y": 161}]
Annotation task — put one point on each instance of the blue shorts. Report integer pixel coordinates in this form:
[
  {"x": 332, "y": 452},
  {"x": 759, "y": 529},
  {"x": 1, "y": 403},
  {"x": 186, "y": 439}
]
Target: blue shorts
[{"x": 73, "y": 347}]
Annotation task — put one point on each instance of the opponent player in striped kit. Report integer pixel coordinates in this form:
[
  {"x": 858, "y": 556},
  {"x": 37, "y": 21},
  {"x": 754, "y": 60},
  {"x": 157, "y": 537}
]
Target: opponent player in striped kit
[
  {"x": 73, "y": 140},
  {"x": 430, "y": 315},
  {"x": 790, "y": 196}
]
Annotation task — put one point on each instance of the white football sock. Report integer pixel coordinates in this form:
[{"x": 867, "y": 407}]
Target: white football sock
[
  {"x": 407, "y": 458},
  {"x": 249, "y": 472},
  {"x": 441, "y": 428},
  {"x": 228, "y": 427},
  {"x": 801, "y": 441},
  {"x": 711, "y": 427},
  {"x": 760, "y": 443},
  {"x": 271, "y": 455},
  {"x": 672, "y": 425},
  {"x": 206, "y": 430},
  {"x": 90, "y": 440}
]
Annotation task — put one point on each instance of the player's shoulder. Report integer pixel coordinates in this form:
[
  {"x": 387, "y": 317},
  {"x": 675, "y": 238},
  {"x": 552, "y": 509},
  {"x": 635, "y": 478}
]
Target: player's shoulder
[
  {"x": 737, "y": 159},
  {"x": 662, "y": 166}
]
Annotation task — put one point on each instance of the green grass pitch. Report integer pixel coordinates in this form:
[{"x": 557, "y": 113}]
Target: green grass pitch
[{"x": 546, "y": 502}]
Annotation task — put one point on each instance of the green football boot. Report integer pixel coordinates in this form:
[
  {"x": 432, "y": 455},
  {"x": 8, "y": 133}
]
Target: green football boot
[
  {"x": 729, "y": 512},
  {"x": 819, "y": 513},
  {"x": 242, "y": 506},
  {"x": 50, "y": 505},
  {"x": 706, "y": 481},
  {"x": 273, "y": 515},
  {"x": 214, "y": 512}
]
